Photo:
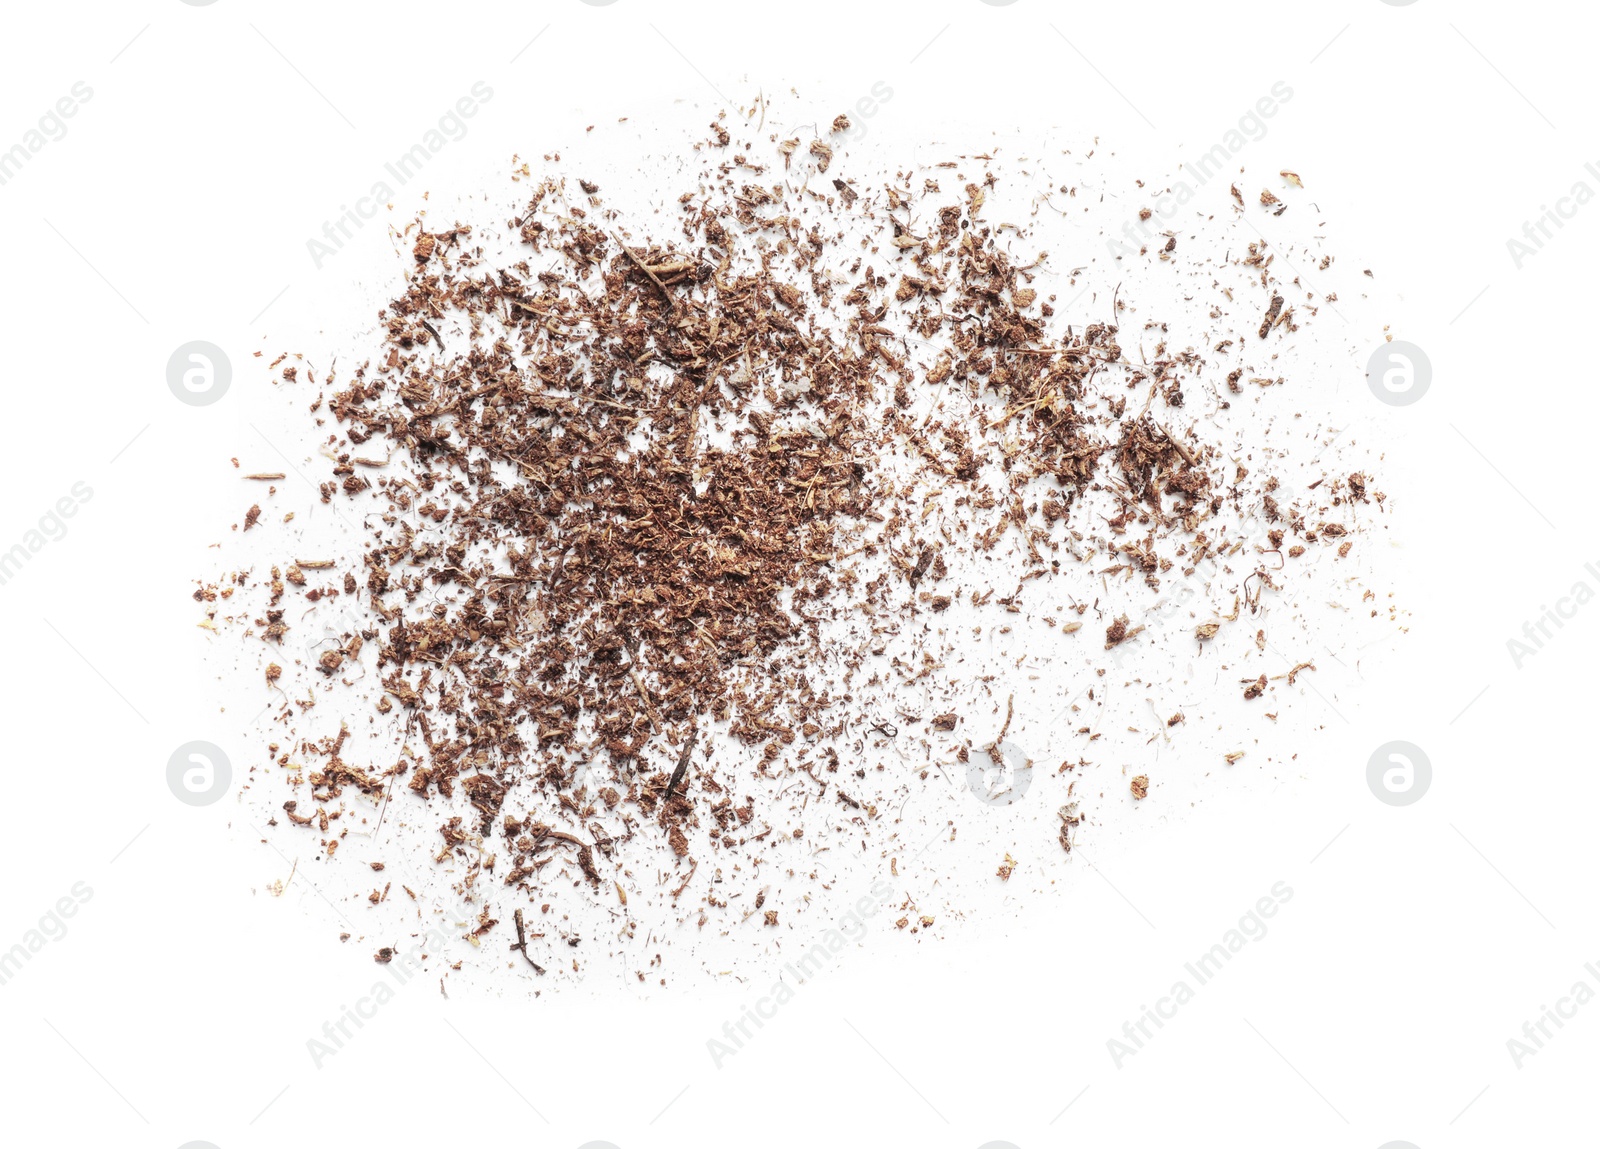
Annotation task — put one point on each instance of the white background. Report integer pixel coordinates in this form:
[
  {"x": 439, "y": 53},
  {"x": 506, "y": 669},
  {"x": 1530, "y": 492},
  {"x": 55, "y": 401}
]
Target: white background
[{"x": 177, "y": 207}]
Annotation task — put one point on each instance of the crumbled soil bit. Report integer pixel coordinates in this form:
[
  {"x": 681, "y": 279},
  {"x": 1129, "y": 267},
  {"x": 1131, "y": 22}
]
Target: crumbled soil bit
[
  {"x": 1119, "y": 632},
  {"x": 1271, "y": 317},
  {"x": 1069, "y": 821},
  {"x": 674, "y": 535}
]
